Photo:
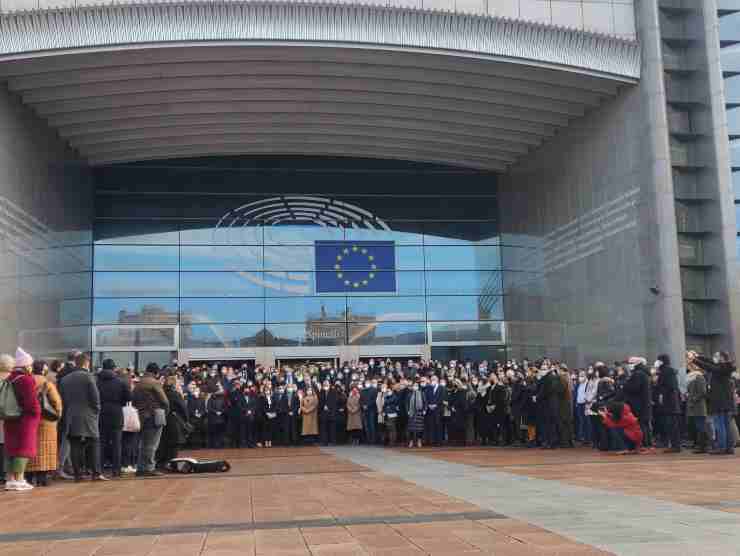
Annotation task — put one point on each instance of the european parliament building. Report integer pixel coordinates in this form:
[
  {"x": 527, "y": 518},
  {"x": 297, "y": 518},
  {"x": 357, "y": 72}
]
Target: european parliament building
[{"x": 271, "y": 180}]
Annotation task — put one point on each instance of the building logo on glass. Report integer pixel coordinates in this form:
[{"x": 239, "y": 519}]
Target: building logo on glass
[{"x": 341, "y": 265}]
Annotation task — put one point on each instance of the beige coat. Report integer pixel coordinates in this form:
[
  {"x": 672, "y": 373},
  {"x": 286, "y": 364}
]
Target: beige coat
[
  {"x": 354, "y": 414},
  {"x": 46, "y": 457},
  {"x": 309, "y": 410}
]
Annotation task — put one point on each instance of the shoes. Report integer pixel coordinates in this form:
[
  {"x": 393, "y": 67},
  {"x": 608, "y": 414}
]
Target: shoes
[
  {"x": 64, "y": 476},
  {"x": 18, "y": 486},
  {"x": 129, "y": 469},
  {"x": 100, "y": 477}
]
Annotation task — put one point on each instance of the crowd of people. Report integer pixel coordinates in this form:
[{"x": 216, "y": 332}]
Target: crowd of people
[{"x": 74, "y": 422}]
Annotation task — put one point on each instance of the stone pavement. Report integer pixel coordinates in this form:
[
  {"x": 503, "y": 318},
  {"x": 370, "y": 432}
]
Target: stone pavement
[
  {"x": 281, "y": 502},
  {"x": 623, "y": 505}
]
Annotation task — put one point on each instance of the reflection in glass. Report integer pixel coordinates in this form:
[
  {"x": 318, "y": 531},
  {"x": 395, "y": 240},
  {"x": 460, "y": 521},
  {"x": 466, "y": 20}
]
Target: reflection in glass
[
  {"x": 410, "y": 237},
  {"x": 306, "y": 309},
  {"x": 134, "y": 336},
  {"x": 464, "y": 282},
  {"x": 193, "y": 310},
  {"x": 135, "y": 311},
  {"x": 390, "y": 333},
  {"x": 290, "y": 257},
  {"x": 221, "y": 335},
  {"x": 386, "y": 309},
  {"x": 463, "y": 307},
  {"x": 135, "y": 284},
  {"x": 462, "y": 257},
  {"x": 136, "y": 257},
  {"x": 467, "y": 332},
  {"x": 74, "y": 311},
  {"x": 220, "y": 257},
  {"x": 214, "y": 233},
  {"x": 300, "y": 233},
  {"x": 222, "y": 284},
  {"x": 55, "y": 341},
  {"x": 133, "y": 232},
  {"x": 313, "y": 333},
  {"x": 461, "y": 233},
  {"x": 120, "y": 358},
  {"x": 55, "y": 286}
]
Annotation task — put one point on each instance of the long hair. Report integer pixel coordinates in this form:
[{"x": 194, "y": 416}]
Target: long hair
[{"x": 616, "y": 410}]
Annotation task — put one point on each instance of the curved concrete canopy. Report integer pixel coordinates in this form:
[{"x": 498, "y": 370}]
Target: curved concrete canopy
[{"x": 428, "y": 100}]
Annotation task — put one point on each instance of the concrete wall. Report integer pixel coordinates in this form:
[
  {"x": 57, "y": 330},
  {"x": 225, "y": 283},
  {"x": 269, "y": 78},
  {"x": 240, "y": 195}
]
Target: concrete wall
[
  {"x": 612, "y": 17},
  {"x": 45, "y": 237}
]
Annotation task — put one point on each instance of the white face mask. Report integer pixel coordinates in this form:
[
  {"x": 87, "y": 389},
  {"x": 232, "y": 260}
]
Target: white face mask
[
  {"x": 715, "y": 359},
  {"x": 630, "y": 367},
  {"x": 658, "y": 363}
]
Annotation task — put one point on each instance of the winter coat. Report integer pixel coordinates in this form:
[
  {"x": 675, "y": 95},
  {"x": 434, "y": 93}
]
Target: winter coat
[
  {"x": 46, "y": 456},
  {"x": 354, "y": 414},
  {"x": 566, "y": 399},
  {"x": 669, "y": 396},
  {"x": 552, "y": 393},
  {"x": 391, "y": 407},
  {"x": 148, "y": 395},
  {"x": 721, "y": 394},
  {"x": 629, "y": 423},
  {"x": 81, "y": 401},
  {"x": 174, "y": 433},
  {"x": 696, "y": 391},
  {"x": 636, "y": 393},
  {"x": 416, "y": 408},
  {"x": 309, "y": 410},
  {"x": 114, "y": 394},
  {"x": 21, "y": 435},
  {"x": 216, "y": 408}
]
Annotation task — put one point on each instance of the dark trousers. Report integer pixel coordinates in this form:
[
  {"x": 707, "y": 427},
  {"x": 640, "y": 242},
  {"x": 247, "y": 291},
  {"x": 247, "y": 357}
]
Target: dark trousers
[
  {"x": 110, "y": 441},
  {"x": 129, "y": 449},
  {"x": 281, "y": 425},
  {"x": 369, "y": 425},
  {"x": 433, "y": 427},
  {"x": 235, "y": 431},
  {"x": 552, "y": 423},
  {"x": 85, "y": 451},
  {"x": 647, "y": 431},
  {"x": 673, "y": 430},
  {"x": 216, "y": 435},
  {"x": 249, "y": 429},
  {"x": 291, "y": 436},
  {"x": 328, "y": 431}
]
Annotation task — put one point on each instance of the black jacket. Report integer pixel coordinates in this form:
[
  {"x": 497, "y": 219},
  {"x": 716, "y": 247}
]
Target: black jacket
[
  {"x": 328, "y": 404},
  {"x": 721, "y": 394},
  {"x": 636, "y": 393},
  {"x": 551, "y": 392},
  {"x": 669, "y": 396},
  {"x": 114, "y": 394}
]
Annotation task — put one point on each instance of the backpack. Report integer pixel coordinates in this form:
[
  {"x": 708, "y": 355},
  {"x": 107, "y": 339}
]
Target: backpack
[{"x": 9, "y": 407}]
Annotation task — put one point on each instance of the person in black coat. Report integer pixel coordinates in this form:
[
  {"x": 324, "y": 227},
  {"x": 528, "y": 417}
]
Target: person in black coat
[
  {"x": 369, "y": 407},
  {"x": 174, "y": 434},
  {"x": 721, "y": 397},
  {"x": 293, "y": 404},
  {"x": 216, "y": 411},
  {"x": 114, "y": 394},
  {"x": 669, "y": 401},
  {"x": 636, "y": 392},
  {"x": 250, "y": 416},
  {"x": 280, "y": 398},
  {"x": 551, "y": 392},
  {"x": 236, "y": 408},
  {"x": 341, "y": 428},
  {"x": 197, "y": 411},
  {"x": 434, "y": 397},
  {"x": 518, "y": 405},
  {"x": 328, "y": 406}
]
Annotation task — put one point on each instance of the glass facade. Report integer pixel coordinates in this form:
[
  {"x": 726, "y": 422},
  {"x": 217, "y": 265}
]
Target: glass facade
[{"x": 242, "y": 253}]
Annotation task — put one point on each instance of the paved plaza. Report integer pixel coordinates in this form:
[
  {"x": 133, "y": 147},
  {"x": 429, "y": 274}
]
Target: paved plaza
[{"x": 382, "y": 502}]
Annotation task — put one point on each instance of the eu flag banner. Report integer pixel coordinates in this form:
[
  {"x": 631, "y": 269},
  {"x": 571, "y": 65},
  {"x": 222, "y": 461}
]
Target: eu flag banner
[{"x": 355, "y": 266}]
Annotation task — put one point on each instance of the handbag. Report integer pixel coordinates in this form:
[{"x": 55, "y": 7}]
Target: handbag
[
  {"x": 48, "y": 411},
  {"x": 160, "y": 418},
  {"x": 131, "y": 421}
]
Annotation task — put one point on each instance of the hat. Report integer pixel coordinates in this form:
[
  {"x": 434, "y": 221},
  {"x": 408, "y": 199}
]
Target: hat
[
  {"x": 635, "y": 360},
  {"x": 109, "y": 364},
  {"x": 22, "y": 359}
]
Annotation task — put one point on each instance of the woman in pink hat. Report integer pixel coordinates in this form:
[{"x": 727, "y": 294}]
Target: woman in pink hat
[{"x": 21, "y": 435}]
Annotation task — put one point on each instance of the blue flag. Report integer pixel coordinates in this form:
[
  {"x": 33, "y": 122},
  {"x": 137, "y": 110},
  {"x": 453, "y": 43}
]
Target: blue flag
[{"x": 355, "y": 266}]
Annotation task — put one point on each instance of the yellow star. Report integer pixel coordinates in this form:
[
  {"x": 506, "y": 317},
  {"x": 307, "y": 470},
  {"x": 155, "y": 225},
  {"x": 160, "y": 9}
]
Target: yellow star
[
  {"x": 346, "y": 251},
  {"x": 354, "y": 248},
  {"x": 356, "y": 285},
  {"x": 339, "y": 274},
  {"x": 364, "y": 282},
  {"x": 374, "y": 266},
  {"x": 370, "y": 258},
  {"x": 339, "y": 257},
  {"x": 364, "y": 251},
  {"x": 346, "y": 282},
  {"x": 372, "y": 275},
  {"x": 337, "y": 267}
]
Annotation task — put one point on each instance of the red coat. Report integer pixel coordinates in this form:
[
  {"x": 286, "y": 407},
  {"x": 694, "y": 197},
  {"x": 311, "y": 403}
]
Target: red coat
[
  {"x": 629, "y": 423},
  {"x": 21, "y": 435}
]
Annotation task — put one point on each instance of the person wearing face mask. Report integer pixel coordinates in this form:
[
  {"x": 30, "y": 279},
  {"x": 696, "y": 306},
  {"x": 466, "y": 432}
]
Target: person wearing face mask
[
  {"x": 636, "y": 392},
  {"x": 293, "y": 404},
  {"x": 669, "y": 402},
  {"x": 236, "y": 406},
  {"x": 216, "y": 412},
  {"x": 721, "y": 401},
  {"x": 354, "y": 416},
  {"x": 580, "y": 412},
  {"x": 434, "y": 397},
  {"x": 416, "y": 408},
  {"x": 518, "y": 404},
  {"x": 280, "y": 424},
  {"x": 197, "y": 417},
  {"x": 550, "y": 393},
  {"x": 309, "y": 413},
  {"x": 696, "y": 406},
  {"x": 390, "y": 412},
  {"x": 368, "y": 402},
  {"x": 328, "y": 414}
]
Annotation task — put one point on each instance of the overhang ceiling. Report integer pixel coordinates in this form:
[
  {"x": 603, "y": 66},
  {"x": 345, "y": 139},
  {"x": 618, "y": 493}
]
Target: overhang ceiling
[{"x": 419, "y": 101}]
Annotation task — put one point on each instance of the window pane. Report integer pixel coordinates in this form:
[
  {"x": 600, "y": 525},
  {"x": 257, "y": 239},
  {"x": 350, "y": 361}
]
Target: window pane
[
  {"x": 215, "y": 233},
  {"x": 135, "y": 284},
  {"x": 56, "y": 341},
  {"x": 467, "y": 332},
  {"x": 135, "y": 311},
  {"x": 306, "y": 309},
  {"x": 222, "y": 310},
  {"x": 51, "y": 286},
  {"x": 282, "y": 283},
  {"x": 299, "y": 234},
  {"x": 292, "y": 257},
  {"x": 464, "y": 281},
  {"x": 136, "y": 257},
  {"x": 75, "y": 311},
  {"x": 221, "y": 335},
  {"x": 136, "y": 232},
  {"x": 736, "y": 185},
  {"x": 309, "y": 334},
  {"x": 462, "y": 307},
  {"x": 221, "y": 284},
  {"x": 529, "y": 283},
  {"x": 220, "y": 257},
  {"x": 134, "y": 336},
  {"x": 386, "y": 308},
  {"x": 404, "y": 282},
  {"x": 461, "y": 233},
  {"x": 398, "y": 333},
  {"x": 120, "y": 358},
  {"x": 522, "y": 258},
  {"x": 483, "y": 257},
  {"x": 410, "y": 237},
  {"x": 161, "y": 358}
]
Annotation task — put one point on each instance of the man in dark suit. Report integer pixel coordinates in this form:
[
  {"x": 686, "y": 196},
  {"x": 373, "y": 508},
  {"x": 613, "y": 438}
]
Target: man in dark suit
[
  {"x": 368, "y": 405},
  {"x": 280, "y": 400},
  {"x": 114, "y": 394},
  {"x": 293, "y": 404},
  {"x": 434, "y": 396},
  {"x": 328, "y": 414},
  {"x": 81, "y": 401}
]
